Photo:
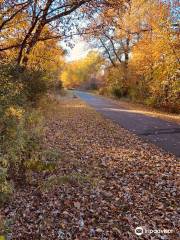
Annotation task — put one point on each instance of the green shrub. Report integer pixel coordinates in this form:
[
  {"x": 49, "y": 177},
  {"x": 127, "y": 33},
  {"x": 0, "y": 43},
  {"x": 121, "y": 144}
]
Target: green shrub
[
  {"x": 20, "y": 124},
  {"x": 44, "y": 160},
  {"x": 93, "y": 86},
  {"x": 19, "y": 86},
  {"x": 22, "y": 145},
  {"x": 35, "y": 85},
  {"x": 11, "y": 88},
  {"x": 119, "y": 91},
  {"x": 5, "y": 186},
  {"x": 21, "y": 140}
]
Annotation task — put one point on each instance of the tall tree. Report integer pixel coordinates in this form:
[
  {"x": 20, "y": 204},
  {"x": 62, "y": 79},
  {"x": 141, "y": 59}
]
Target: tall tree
[{"x": 58, "y": 16}]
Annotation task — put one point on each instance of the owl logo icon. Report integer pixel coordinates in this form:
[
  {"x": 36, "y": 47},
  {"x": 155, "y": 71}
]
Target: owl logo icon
[{"x": 139, "y": 231}]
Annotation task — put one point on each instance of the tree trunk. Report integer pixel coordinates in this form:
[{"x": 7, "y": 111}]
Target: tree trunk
[{"x": 126, "y": 61}]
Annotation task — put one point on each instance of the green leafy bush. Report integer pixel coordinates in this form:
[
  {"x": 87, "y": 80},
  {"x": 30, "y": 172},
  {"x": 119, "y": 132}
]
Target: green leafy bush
[
  {"x": 5, "y": 186},
  {"x": 118, "y": 91},
  {"x": 21, "y": 140},
  {"x": 21, "y": 125},
  {"x": 11, "y": 88},
  {"x": 35, "y": 85},
  {"x": 19, "y": 86}
]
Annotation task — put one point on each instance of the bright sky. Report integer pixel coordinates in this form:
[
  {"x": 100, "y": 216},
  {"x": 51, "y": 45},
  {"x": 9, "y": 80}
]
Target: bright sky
[{"x": 80, "y": 50}]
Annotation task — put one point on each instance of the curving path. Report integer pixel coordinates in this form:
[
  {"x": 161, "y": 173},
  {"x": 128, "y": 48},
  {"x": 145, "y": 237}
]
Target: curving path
[{"x": 160, "y": 132}]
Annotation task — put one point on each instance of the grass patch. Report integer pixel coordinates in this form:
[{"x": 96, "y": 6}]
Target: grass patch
[{"x": 71, "y": 179}]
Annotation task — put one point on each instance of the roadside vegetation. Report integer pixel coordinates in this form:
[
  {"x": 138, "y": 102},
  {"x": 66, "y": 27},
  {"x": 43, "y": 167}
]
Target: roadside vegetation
[
  {"x": 21, "y": 121},
  {"x": 29, "y": 68}
]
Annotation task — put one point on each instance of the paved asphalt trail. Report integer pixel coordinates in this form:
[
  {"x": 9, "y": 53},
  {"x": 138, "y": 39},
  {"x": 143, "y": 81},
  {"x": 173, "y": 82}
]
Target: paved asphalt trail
[{"x": 160, "y": 132}]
